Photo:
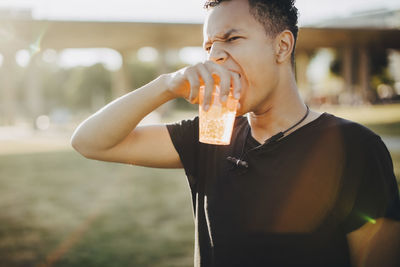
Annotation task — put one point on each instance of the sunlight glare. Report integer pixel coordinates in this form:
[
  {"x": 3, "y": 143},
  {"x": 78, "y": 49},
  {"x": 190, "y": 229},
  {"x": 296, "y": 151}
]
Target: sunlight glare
[
  {"x": 43, "y": 122},
  {"x": 192, "y": 54},
  {"x": 147, "y": 54},
  {"x": 22, "y": 57},
  {"x": 49, "y": 55},
  {"x": 320, "y": 65},
  {"x": 110, "y": 58}
]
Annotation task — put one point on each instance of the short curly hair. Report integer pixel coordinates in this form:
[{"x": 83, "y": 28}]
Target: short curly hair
[{"x": 275, "y": 15}]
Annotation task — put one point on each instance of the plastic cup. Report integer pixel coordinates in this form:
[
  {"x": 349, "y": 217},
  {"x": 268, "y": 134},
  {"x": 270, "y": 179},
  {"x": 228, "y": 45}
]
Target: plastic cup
[{"x": 216, "y": 124}]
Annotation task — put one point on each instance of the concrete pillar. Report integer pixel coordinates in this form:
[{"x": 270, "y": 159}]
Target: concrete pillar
[
  {"x": 364, "y": 74},
  {"x": 348, "y": 68},
  {"x": 351, "y": 93},
  {"x": 394, "y": 68},
  {"x": 8, "y": 101},
  {"x": 121, "y": 79}
]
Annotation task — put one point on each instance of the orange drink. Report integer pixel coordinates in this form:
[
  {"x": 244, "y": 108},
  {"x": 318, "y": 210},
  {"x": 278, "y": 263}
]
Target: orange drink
[{"x": 216, "y": 124}]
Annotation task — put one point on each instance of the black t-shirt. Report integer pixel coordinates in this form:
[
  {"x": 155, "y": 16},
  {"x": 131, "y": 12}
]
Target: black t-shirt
[{"x": 296, "y": 201}]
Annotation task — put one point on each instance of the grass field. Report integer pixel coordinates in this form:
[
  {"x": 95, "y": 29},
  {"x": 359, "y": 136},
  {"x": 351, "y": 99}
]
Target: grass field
[{"x": 59, "y": 209}]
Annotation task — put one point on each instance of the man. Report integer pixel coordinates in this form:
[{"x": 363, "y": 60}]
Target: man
[{"x": 317, "y": 191}]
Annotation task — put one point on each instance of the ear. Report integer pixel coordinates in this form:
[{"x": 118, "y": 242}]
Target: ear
[{"x": 284, "y": 46}]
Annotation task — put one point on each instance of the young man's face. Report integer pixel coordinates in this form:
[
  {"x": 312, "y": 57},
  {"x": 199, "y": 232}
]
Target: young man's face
[{"x": 234, "y": 39}]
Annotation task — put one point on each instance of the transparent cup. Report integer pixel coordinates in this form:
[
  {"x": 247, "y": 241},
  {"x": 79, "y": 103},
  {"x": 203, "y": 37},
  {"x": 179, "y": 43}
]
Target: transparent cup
[{"x": 216, "y": 124}]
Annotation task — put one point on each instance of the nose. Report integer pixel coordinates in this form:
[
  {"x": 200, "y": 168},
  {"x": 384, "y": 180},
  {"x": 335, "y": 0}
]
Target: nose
[{"x": 217, "y": 54}]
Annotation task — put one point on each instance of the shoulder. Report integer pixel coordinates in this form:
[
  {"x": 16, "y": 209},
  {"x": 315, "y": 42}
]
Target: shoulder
[
  {"x": 350, "y": 131},
  {"x": 184, "y": 134}
]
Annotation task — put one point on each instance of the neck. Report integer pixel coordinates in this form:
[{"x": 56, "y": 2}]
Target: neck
[{"x": 284, "y": 109}]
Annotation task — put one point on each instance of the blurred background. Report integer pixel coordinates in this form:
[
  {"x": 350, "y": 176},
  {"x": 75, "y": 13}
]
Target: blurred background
[{"x": 61, "y": 60}]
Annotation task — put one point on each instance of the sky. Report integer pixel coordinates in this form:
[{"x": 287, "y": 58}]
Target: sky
[{"x": 178, "y": 10}]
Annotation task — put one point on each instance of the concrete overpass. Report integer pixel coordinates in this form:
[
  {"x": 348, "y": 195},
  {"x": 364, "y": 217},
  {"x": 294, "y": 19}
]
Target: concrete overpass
[{"x": 355, "y": 44}]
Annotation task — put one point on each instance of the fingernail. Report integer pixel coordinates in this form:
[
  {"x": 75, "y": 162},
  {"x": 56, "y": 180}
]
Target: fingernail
[
  {"x": 224, "y": 98},
  {"x": 206, "y": 107},
  {"x": 237, "y": 95}
]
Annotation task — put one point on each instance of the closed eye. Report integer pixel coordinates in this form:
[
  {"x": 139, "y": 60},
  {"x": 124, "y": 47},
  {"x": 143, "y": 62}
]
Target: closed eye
[{"x": 233, "y": 38}]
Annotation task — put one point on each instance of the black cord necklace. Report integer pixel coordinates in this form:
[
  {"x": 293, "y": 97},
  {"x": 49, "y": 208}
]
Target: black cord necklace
[
  {"x": 241, "y": 163},
  {"x": 279, "y": 135}
]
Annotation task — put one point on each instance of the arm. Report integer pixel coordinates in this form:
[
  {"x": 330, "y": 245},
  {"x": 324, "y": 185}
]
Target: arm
[
  {"x": 107, "y": 135},
  {"x": 111, "y": 133},
  {"x": 376, "y": 244}
]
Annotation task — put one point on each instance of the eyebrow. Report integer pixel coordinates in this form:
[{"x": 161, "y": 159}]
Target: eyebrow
[{"x": 224, "y": 36}]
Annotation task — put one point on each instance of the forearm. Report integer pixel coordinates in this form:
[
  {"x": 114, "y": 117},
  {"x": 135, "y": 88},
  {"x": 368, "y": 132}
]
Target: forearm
[{"x": 111, "y": 124}]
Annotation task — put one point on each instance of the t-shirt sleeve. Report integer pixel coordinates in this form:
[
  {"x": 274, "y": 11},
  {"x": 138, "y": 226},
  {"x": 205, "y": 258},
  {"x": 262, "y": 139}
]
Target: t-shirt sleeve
[
  {"x": 185, "y": 136},
  {"x": 377, "y": 193}
]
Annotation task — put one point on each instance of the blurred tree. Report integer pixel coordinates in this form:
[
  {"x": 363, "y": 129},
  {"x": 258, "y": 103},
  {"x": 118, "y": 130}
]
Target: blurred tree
[
  {"x": 141, "y": 73},
  {"x": 88, "y": 87},
  {"x": 53, "y": 79},
  {"x": 85, "y": 89}
]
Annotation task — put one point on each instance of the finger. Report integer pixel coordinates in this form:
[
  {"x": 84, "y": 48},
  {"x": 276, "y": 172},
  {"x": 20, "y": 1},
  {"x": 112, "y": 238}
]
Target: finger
[
  {"x": 237, "y": 86},
  {"x": 208, "y": 80},
  {"x": 224, "y": 79},
  {"x": 224, "y": 84},
  {"x": 207, "y": 99},
  {"x": 193, "y": 78}
]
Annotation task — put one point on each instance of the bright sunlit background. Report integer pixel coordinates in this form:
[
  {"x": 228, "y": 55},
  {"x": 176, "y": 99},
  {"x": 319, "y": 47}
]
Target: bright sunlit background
[
  {"x": 178, "y": 11},
  {"x": 59, "y": 209},
  {"x": 173, "y": 11}
]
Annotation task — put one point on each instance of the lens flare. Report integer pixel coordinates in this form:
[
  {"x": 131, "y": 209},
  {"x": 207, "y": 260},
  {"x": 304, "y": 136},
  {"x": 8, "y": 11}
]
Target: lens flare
[
  {"x": 35, "y": 47},
  {"x": 368, "y": 219}
]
